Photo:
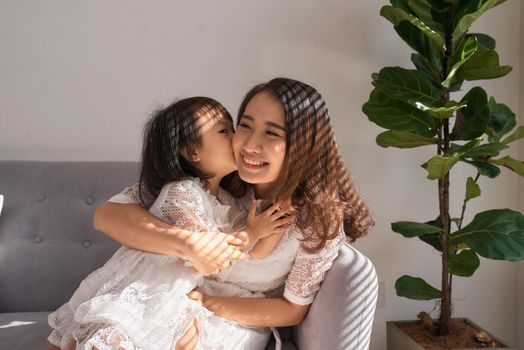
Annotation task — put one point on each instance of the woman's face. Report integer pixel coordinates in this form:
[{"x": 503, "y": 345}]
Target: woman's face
[{"x": 259, "y": 143}]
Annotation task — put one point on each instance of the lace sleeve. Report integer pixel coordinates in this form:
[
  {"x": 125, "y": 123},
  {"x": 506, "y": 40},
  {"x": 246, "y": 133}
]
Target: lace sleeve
[
  {"x": 308, "y": 272},
  {"x": 127, "y": 196},
  {"x": 185, "y": 205}
]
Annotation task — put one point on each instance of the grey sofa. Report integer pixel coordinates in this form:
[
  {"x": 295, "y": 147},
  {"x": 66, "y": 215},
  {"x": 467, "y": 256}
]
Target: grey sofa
[{"x": 48, "y": 245}]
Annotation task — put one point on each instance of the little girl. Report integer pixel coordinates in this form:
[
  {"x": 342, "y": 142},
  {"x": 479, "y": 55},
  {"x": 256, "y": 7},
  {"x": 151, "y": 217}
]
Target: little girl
[{"x": 138, "y": 300}]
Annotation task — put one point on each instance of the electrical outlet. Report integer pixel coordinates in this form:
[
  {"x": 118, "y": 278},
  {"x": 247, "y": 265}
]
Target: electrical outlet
[{"x": 381, "y": 300}]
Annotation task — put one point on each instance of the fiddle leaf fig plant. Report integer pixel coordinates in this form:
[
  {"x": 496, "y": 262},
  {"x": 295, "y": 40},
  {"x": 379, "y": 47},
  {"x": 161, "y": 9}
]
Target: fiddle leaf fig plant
[{"x": 418, "y": 109}]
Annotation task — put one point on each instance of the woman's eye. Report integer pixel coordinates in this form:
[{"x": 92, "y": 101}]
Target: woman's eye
[
  {"x": 271, "y": 133},
  {"x": 244, "y": 126}
]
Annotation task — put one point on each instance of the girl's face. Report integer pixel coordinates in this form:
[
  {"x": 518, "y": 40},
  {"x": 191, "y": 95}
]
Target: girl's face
[
  {"x": 259, "y": 143},
  {"x": 215, "y": 154}
]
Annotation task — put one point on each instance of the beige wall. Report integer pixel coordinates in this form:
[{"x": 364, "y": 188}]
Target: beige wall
[
  {"x": 519, "y": 295},
  {"x": 79, "y": 78}
]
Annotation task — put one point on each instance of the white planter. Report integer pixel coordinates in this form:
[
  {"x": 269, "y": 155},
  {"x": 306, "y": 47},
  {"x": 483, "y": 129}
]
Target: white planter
[{"x": 398, "y": 340}]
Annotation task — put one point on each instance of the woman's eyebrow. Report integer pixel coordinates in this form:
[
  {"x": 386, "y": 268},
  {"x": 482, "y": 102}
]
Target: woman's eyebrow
[{"x": 272, "y": 124}]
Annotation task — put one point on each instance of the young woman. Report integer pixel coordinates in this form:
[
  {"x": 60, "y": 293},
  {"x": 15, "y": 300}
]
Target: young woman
[{"x": 286, "y": 153}]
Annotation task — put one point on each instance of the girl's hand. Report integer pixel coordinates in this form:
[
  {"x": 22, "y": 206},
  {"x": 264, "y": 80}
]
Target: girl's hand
[
  {"x": 272, "y": 221},
  {"x": 196, "y": 295},
  {"x": 212, "y": 251}
]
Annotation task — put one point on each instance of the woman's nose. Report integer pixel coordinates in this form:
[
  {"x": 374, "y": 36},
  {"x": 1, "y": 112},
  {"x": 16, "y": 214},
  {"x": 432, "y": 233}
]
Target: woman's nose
[{"x": 252, "y": 144}]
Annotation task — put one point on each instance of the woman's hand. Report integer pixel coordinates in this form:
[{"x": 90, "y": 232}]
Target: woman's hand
[{"x": 212, "y": 251}]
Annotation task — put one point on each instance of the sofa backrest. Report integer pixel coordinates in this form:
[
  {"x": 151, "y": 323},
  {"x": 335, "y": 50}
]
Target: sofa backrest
[{"x": 47, "y": 241}]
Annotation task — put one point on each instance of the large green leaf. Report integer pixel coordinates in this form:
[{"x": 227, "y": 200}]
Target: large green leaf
[
  {"x": 394, "y": 114},
  {"x": 433, "y": 239},
  {"x": 419, "y": 42},
  {"x": 483, "y": 64},
  {"x": 502, "y": 119},
  {"x": 471, "y": 121},
  {"x": 510, "y": 163},
  {"x": 469, "y": 14},
  {"x": 472, "y": 189},
  {"x": 422, "y": 10},
  {"x": 464, "y": 263},
  {"x": 495, "y": 234},
  {"x": 486, "y": 150},
  {"x": 416, "y": 288},
  {"x": 483, "y": 39},
  {"x": 438, "y": 166},
  {"x": 408, "y": 85},
  {"x": 466, "y": 147},
  {"x": 459, "y": 58},
  {"x": 403, "y": 139},
  {"x": 422, "y": 64},
  {"x": 484, "y": 168},
  {"x": 397, "y": 15},
  {"x": 446, "y": 111},
  {"x": 518, "y": 134},
  {"x": 411, "y": 229}
]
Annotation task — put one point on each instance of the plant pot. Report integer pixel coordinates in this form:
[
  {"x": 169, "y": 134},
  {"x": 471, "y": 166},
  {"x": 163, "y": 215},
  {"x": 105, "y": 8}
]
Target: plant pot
[{"x": 398, "y": 340}]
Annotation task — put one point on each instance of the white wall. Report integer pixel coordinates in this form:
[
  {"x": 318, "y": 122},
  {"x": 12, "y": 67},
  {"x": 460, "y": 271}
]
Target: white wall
[
  {"x": 519, "y": 294},
  {"x": 79, "y": 78}
]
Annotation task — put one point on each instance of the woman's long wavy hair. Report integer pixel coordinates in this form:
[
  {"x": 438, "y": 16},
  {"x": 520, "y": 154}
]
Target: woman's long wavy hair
[
  {"x": 313, "y": 178},
  {"x": 169, "y": 131}
]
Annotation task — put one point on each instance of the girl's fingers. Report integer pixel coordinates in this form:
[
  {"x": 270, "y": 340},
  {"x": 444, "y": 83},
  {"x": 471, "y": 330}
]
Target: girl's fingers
[
  {"x": 252, "y": 210},
  {"x": 285, "y": 221},
  {"x": 271, "y": 210}
]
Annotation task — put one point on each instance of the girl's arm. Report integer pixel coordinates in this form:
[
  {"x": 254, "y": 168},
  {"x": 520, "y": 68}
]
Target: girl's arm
[
  {"x": 132, "y": 225},
  {"x": 257, "y": 312}
]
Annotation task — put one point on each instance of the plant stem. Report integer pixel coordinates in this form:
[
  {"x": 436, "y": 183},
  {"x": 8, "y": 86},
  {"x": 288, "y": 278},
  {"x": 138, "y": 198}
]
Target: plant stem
[
  {"x": 445, "y": 305},
  {"x": 443, "y": 327}
]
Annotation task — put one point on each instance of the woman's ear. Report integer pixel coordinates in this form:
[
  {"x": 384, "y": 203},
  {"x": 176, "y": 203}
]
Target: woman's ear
[{"x": 192, "y": 156}]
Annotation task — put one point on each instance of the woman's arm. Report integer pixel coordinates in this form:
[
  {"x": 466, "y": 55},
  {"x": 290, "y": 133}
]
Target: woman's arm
[
  {"x": 257, "y": 312},
  {"x": 132, "y": 225}
]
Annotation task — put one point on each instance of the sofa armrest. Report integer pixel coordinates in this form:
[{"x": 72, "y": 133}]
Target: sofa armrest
[{"x": 341, "y": 316}]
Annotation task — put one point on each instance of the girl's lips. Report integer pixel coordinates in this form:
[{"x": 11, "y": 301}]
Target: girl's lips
[{"x": 250, "y": 163}]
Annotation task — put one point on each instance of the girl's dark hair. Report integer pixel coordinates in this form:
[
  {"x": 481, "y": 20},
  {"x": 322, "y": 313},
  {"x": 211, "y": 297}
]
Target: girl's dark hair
[
  {"x": 168, "y": 131},
  {"x": 313, "y": 177}
]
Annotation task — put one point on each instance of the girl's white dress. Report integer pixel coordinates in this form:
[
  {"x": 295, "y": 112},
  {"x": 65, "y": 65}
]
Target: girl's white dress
[{"x": 137, "y": 300}]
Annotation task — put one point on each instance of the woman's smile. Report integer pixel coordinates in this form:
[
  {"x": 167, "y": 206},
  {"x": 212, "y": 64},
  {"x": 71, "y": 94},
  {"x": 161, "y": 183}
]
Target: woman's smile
[{"x": 250, "y": 163}]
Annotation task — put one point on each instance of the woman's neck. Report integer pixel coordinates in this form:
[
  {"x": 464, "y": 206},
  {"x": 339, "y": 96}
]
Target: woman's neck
[
  {"x": 262, "y": 191},
  {"x": 213, "y": 184}
]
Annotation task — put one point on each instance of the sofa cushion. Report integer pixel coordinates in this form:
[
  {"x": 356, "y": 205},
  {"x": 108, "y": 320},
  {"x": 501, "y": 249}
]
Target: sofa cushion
[
  {"x": 24, "y": 330},
  {"x": 47, "y": 241}
]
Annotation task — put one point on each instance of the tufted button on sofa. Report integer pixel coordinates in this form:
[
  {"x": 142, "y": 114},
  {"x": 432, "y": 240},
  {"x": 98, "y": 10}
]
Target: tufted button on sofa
[{"x": 48, "y": 245}]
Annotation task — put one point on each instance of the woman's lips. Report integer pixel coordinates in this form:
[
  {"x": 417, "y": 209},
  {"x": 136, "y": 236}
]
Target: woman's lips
[{"x": 251, "y": 163}]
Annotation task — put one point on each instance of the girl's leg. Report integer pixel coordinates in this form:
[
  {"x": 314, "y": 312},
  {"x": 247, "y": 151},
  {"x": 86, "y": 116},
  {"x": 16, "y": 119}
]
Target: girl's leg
[{"x": 190, "y": 339}]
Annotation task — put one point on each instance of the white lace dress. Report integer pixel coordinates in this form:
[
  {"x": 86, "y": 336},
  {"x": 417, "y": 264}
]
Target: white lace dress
[{"x": 289, "y": 272}]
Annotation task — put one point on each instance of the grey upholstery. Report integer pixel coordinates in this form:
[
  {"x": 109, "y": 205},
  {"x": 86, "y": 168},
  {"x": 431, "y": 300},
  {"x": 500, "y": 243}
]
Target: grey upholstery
[{"x": 48, "y": 245}]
